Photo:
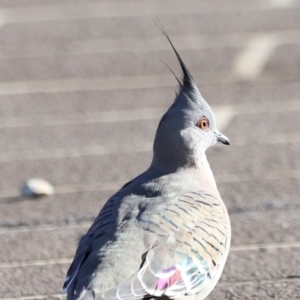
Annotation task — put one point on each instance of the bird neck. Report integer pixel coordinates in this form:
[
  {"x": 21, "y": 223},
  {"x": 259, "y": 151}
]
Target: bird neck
[
  {"x": 198, "y": 167},
  {"x": 171, "y": 161}
]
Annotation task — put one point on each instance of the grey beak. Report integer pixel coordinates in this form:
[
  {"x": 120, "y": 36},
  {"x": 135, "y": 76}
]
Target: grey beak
[{"x": 222, "y": 138}]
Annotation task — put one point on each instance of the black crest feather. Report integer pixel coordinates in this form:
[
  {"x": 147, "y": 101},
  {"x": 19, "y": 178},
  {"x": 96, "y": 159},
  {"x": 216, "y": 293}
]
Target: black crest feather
[{"x": 187, "y": 77}]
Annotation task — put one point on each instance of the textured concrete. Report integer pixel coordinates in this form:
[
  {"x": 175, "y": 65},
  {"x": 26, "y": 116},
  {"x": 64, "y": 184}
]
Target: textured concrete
[
  {"x": 82, "y": 89},
  {"x": 96, "y": 65},
  {"x": 27, "y": 245},
  {"x": 273, "y": 289}
]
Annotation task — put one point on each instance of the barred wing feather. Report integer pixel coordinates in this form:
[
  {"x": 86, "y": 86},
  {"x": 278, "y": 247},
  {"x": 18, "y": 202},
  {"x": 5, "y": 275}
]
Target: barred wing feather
[{"x": 187, "y": 242}]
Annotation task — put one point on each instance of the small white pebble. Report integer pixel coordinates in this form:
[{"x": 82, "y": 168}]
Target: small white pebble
[{"x": 35, "y": 187}]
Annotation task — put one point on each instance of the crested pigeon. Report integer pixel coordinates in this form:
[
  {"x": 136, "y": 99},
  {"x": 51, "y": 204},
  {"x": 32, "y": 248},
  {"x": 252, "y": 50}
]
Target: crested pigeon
[{"x": 166, "y": 233}]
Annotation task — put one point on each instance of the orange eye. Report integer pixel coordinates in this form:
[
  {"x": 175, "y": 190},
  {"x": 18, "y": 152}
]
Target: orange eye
[{"x": 203, "y": 124}]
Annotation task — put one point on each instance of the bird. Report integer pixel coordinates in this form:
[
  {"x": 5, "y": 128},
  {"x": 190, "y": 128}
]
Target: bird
[{"x": 166, "y": 233}]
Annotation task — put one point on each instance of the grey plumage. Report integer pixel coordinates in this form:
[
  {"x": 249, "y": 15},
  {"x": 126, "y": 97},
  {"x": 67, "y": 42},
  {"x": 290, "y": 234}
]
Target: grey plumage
[{"x": 165, "y": 233}]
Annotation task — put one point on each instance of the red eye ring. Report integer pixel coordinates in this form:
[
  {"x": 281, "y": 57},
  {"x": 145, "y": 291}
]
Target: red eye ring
[{"x": 203, "y": 124}]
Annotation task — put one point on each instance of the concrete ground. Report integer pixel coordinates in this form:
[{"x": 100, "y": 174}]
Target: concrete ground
[{"x": 82, "y": 88}]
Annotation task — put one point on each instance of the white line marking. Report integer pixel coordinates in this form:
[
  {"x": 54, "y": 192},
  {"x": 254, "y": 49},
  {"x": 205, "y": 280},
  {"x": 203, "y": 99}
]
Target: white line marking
[
  {"x": 106, "y": 83},
  {"x": 269, "y": 139},
  {"x": 134, "y": 148},
  {"x": 223, "y": 114},
  {"x": 128, "y": 44},
  {"x": 85, "y": 84},
  {"x": 268, "y": 107},
  {"x": 83, "y": 151},
  {"x": 24, "y": 229},
  {"x": 267, "y": 176},
  {"x": 2, "y": 19},
  {"x": 113, "y": 186},
  {"x": 74, "y": 188},
  {"x": 110, "y": 83},
  {"x": 250, "y": 247},
  {"x": 37, "y": 297},
  {"x": 94, "y": 10},
  {"x": 281, "y": 3},
  {"x": 257, "y": 282},
  {"x": 84, "y": 118},
  {"x": 265, "y": 246},
  {"x": 17, "y": 264},
  {"x": 42, "y": 13},
  {"x": 252, "y": 60},
  {"x": 220, "y": 284}
]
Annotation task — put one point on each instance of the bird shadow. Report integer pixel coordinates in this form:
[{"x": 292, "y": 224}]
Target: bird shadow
[{"x": 17, "y": 199}]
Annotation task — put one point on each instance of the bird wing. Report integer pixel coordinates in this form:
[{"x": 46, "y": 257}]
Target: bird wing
[
  {"x": 104, "y": 225},
  {"x": 92, "y": 246},
  {"x": 187, "y": 243}
]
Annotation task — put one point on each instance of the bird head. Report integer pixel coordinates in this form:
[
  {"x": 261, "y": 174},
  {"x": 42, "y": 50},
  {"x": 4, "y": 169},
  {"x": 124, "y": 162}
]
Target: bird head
[{"x": 188, "y": 127}]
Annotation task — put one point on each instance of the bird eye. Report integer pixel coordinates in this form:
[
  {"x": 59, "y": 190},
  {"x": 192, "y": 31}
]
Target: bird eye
[{"x": 203, "y": 124}]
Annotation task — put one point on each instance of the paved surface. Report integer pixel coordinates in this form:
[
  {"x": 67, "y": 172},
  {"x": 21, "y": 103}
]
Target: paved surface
[{"x": 82, "y": 89}]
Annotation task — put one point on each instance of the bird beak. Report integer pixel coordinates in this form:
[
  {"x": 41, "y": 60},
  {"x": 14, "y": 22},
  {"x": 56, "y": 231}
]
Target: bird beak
[{"x": 222, "y": 138}]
